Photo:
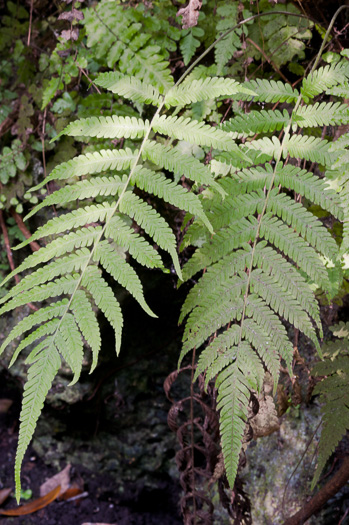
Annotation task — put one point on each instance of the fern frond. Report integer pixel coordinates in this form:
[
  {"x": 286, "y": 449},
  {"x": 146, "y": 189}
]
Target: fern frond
[
  {"x": 286, "y": 240},
  {"x": 44, "y": 368},
  {"x": 122, "y": 272},
  {"x": 46, "y": 329},
  {"x": 323, "y": 79},
  {"x": 334, "y": 394},
  {"x": 269, "y": 91},
  {"x": 69, "y": 344},
  {"x": 263, "y": 121},
  {"x": 205, "y": 323},
  {"x": 157, "y": 184},
  {"x": 60, "y": 246},
  {"x": 84, "y": 189},
  {"x": 174, "y": 160},
  {"x": 70, "y": 221},
  {"x": 290, "y": 177},
  {"x": 282, "y": 302},
  {"x": 259, "y": 311},
  {"x": 87, "y": 323},
  {"x": 152, "y": 223},
  {"x": 91, "y": 163},
  {"x": 321, "y": 114},
  {"x": 113, "y": 127},
  {"x": 40, "y": 316},
  {"x": 196, "y": 133},
  {"x": 298, "y": 146},
  {"x": 136, "y": 245},
  {"x": 63, "y": 286},
  {"x": 234, "y": 384},
  {"x": 129, "y": 87},
  {"x": 104, "y": 298},
  {"x": 204, "y": 89},
  {"x": 224, "y": 242},
  {"x": 69, "y": 264}
]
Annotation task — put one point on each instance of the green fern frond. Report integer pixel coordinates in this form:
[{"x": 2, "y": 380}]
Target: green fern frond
[
  {"x": 286, "y": 240},
  {"x": 117, "y": 37},
  {"x": 45, "y": 365},
  {"x": 69, "y": 344},
  {"x": 263, "y": 121},
  {"x": 48, "y": 328},
  {"x": 289, "y": 177},
  {"x": 152, "y": 223},
  {"x": 174, "y": 160},
  {"x": 196, "y": 133},
  {"x": 234, "y": 384},
  {"x": 269, "y": 91},
  {"x": 84, "y": 189},
  {"x": 157, "y": 184},
  {"x": 204, "y": 89},
  {"x": 122, "y": 272},
  {"x": 105, "y": 300},
  {"x": 70, "y": 221},
  {"x": 136, "y": 245},
  {"x": 69, "y": 264},
  {"x": 282, "y": 302},
  {"x": 129, "y": 87},
  {"x": 298, "y": 146},
  {"x": 91, "y": 163},
  {"x": 87, "y": 323},
  {"x": 64, "y": 285},
  {"x": 60, "y": 246},
  {"x": 334, "y": 394},
  {"x": 44, "y": 314},
  {"x": 321, "y": 114},
  {"x": 113, "y": 127},
  {"x": 323, "y": 79}
]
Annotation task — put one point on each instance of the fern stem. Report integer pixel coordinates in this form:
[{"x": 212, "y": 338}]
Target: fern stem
[{"x": 285, "y": 137}]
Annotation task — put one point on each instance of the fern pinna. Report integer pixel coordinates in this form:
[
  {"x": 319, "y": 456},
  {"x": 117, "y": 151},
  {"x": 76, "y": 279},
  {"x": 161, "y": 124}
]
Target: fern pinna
[
  {"x": 269, "y": 251},
  {"x": 85, "y": 242},
  {"x": 334, "y": 395}
]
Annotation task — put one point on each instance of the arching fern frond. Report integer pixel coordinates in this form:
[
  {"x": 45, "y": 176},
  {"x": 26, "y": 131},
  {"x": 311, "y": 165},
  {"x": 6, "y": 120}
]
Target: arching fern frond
[{"x": 334, "y": 395}]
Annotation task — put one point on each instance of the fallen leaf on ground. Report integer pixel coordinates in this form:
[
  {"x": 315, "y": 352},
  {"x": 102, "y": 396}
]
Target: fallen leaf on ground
[
  {"x": 72, "y": 492},
  {"x": 62, "y": 478},
  {"x": 33, "y": 506},
  {"x": 5, "y": 405},
  {"x": 4, "y": 494}
]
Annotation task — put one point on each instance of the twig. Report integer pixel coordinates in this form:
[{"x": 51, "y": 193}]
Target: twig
[
  {"x": 9, "y": 253},
  {"x": 34, "y": 245},
  {"x": 268, "y": 60},
  {"x": 88, "y": 78},
  {"x": 30, "y": 22},
  {"x": 7, "y": 245}
]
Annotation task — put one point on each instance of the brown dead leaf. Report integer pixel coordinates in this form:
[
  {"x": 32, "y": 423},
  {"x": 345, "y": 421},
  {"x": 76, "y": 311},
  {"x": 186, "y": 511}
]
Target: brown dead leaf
[
  {"x": 70, "y": 34},
  {"x": 190, "y": 13},
  {"x": 72, "y": 15},
  {"x": 62, "y": 479},
  {"x": 4, "y": 494},
  {"x": 5, "y": 404},
  {"x": 33, "y": 506},
  {"x": 71, "y": 492}
]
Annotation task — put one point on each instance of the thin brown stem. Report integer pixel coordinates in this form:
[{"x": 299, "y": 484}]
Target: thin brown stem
[
  {"x": 34, "y": 245},
  {"x": 30, "y": 22},
  {"x": 325, "y": 493}
]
